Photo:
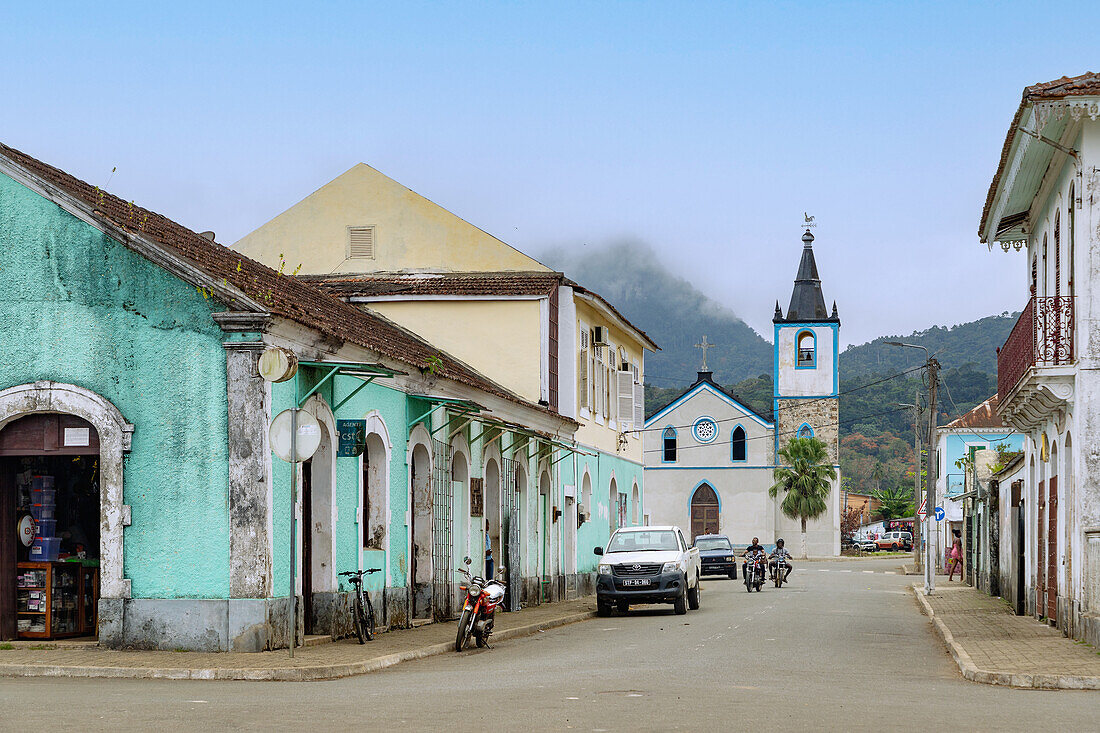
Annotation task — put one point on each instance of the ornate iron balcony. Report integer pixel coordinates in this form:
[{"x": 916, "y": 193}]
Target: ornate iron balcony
[{"x": 1043, "y": 336}]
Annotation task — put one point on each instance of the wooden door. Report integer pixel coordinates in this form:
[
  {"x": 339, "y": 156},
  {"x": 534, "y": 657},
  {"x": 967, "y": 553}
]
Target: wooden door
[
  {"x": 1040, "y": 553},
  {"x": 8, "y": 550},
  {"x": 1052, "y": 549},
  {"x": 704, "y": 512},
  {"x": 307, "y": 545}
]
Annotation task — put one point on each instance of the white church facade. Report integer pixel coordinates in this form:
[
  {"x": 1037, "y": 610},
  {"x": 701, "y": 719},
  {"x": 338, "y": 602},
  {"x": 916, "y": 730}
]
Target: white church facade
[{"x": 709, "y": 459}]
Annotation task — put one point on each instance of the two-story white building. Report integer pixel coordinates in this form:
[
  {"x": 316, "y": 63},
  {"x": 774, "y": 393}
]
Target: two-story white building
[{"x": 1044, "y": 203}]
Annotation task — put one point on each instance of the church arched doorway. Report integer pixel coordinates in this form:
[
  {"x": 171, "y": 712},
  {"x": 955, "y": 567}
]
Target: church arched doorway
[{"x": 704, "y": 511}]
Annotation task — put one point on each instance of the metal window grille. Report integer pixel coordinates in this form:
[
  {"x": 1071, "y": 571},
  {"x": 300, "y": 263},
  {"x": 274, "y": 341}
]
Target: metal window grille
[
  {"x": 443, "y": 576},
  {"x": 511, "y": 475}
]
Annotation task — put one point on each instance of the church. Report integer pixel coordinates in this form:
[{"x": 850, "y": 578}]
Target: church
[{"x": 709, "y": 458}]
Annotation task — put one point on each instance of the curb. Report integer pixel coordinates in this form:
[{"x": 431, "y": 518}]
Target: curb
[
  {"x": 276, "y": 674},
  {"x": 974, "y": 673}
]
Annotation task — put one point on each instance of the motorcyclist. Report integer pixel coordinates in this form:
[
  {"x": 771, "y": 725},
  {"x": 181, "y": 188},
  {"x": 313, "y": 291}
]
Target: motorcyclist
[
  {"x": 750, "y": 553},
  {"x": 781, "y": 553}
]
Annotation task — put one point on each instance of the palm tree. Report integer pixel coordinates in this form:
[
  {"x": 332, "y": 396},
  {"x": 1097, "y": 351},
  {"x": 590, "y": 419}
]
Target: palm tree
[
  {"x": 805, "y": 478},
  {"x": 894, "y": 503}
]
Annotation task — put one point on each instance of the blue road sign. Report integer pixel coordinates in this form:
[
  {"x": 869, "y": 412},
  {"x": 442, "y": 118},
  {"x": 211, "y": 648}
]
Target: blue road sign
[{"x": 940, "y": 514}]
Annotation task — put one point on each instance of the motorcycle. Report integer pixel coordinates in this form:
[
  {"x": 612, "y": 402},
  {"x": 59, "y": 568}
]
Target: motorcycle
[
  {"x": 755, "y": 572},
  {"x": 781, "y": 570},
  {"x": 481, "y": 601}
]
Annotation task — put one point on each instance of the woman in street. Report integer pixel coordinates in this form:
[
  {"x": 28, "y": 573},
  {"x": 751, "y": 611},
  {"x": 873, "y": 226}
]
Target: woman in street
[{"x": 956, "y": 556}]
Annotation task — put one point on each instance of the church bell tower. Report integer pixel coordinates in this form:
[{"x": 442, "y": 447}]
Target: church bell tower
[{"x": 807, "y": 381}]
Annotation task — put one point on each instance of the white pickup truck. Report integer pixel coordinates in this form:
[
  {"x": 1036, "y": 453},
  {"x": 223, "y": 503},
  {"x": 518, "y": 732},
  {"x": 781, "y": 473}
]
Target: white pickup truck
[{"x": 647, "y": 565}]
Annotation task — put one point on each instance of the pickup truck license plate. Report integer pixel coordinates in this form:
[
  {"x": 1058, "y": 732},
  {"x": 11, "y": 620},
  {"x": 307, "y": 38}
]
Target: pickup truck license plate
[{"x": 636, "y": 581}]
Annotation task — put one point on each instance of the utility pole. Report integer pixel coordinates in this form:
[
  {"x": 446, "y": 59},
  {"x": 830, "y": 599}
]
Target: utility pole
[
  {"x": 930, "y": 495},
  {"x": 917, "y": 561}
]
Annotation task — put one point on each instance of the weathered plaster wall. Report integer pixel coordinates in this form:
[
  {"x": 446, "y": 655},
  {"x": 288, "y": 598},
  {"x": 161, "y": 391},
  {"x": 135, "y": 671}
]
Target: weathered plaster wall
[
  {"x": 80, "y": 308},
  {"x": 600, "y": 468}
]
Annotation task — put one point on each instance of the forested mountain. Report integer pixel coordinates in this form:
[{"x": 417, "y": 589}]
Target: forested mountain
[{"x": 670, "y": 309}]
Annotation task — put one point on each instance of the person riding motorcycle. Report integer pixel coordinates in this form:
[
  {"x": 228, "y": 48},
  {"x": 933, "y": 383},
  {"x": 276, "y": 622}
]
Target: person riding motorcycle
[
  {"x": 750, "y": 553},
  {"x": 781, "y": 553}
]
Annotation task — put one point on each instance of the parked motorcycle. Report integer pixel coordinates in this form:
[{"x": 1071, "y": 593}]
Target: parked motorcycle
[
  {"x": 755, "y": 572},
  {"x": 481, "y": 601}
]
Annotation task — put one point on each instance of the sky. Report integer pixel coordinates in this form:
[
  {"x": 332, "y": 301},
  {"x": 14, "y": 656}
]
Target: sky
[{"x": 703, "y": 129}]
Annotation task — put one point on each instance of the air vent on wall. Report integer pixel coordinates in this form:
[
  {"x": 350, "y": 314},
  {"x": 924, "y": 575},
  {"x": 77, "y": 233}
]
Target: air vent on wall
[{"x": 361, "y": 242}]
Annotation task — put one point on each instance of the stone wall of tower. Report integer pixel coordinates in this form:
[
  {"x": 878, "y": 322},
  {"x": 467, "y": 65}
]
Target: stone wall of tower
[{"x": 821, "y": 413}]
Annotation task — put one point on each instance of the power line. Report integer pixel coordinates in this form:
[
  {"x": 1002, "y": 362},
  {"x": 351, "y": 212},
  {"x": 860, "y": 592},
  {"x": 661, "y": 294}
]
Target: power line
[
  {"x": 786, "y": 432},
  {"x": 801, "y": 402}
]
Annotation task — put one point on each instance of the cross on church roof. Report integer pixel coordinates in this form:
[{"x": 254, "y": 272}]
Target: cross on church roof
[{"x": 704, "y": 346}]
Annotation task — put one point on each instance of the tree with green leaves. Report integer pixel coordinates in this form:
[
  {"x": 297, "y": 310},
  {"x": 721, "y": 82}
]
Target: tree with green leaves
[
  {"x": 805, "y": 476},
  {"x": 894, "y": 503}
]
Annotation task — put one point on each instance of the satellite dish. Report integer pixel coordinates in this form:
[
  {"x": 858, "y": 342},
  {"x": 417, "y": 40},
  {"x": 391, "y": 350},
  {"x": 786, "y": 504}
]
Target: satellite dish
[
  {"x": 277, "y": 364},
  {"x": 309, "y": 436}
]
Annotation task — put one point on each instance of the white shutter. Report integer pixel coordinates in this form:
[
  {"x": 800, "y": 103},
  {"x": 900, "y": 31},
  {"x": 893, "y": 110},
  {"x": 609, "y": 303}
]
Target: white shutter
[
  {"x": 361, "y": 242},
  {"x": 639, "y": 405},
  {"x": 582, "y": 376},
  {"x": 626, "y": 398}
]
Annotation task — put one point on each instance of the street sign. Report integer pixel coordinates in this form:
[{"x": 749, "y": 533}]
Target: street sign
[
  {"x": 923, "y": 508},
  {"x": 940, "y": 514}
]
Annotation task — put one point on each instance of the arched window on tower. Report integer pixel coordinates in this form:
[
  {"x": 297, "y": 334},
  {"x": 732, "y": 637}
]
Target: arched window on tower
[
  {"x": 668, "y": 445},
  {"x": 805, "y": 431},
  {"x": 807, "y": 349},
  {"x": 737, "y": 438}
]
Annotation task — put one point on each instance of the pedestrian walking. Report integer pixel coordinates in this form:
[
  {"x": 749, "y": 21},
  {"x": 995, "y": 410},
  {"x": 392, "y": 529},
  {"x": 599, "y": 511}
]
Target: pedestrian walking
[{"x": 956, "y": 555}]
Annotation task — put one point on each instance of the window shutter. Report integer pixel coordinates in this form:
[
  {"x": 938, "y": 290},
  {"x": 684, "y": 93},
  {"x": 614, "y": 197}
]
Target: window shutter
[
  {"x": 582, "y": 376},
  {"x": 626, "y": 398},
  {"x": 639, "y": 405},
  {"x": 361, "y": 242}
]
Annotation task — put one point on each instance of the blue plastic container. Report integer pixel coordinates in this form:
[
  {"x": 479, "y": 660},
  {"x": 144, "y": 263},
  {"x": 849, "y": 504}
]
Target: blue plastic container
[
  {"x": 44, "y": 496},
  {"x": 41, "y": 482},
  {"x": 42, "y": 511},
  {"x": 45, "y": 549},
  {"x": 46, "y": 528}
]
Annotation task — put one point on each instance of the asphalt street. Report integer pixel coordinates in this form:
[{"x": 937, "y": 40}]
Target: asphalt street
[{"x": 844, "y": 647}]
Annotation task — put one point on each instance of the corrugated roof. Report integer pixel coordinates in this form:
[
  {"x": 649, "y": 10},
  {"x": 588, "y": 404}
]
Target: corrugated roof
[
  {"x": 982, "y": 416},
  {"x": 1077, "y": 86},
  {"x": 282, "y": 295}
]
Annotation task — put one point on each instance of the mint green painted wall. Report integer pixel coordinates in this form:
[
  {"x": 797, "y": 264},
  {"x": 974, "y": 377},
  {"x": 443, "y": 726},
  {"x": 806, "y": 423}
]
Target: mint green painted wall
[
  {"x": 78, "y": 307},
  {"x": 390, "y": 404},
  {"x": 596, "y": 532}
]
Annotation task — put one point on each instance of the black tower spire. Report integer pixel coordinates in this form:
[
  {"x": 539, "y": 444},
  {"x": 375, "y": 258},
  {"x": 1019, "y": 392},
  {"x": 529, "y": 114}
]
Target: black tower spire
[{"x": 807, "y": 302}]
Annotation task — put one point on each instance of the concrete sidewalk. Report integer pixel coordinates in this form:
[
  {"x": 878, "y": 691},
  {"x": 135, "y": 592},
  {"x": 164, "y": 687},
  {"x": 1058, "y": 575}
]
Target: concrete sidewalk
[
  {"x": 993, "y": 645},
  {"x": 321, "y": 662}
]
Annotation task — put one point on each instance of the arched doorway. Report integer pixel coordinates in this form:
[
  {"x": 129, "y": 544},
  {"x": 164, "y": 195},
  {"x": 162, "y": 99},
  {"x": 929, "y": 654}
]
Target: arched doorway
[
  {"x": 545, "y": 567},
  {"x": 612, "y": 507},
  {"x": 492, "y": 512},
  {"x": 704, "y": 511},
  {"x": 49, "y": 468},
  {"x": 421, "y": 532},
  {"x": 1052, "y": 537},
  {"x": 318, "y": 549},
  {"x": 636, "y": 506}
]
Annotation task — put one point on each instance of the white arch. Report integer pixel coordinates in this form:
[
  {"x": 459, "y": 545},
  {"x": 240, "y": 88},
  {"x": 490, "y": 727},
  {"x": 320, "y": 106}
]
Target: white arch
[
  {"x": 377, "y": 512},
  {"x": 323, "y": 504},
  {"x": 114, "y": 439},
  {"x": 418, "y": 519}
]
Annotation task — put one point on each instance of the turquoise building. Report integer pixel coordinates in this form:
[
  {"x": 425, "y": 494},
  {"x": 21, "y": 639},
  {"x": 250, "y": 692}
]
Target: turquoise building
[{"x": 131, "y": 379}]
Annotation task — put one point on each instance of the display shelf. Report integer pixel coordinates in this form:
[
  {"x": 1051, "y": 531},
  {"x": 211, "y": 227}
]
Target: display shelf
[{"x": 49, "y": 597}]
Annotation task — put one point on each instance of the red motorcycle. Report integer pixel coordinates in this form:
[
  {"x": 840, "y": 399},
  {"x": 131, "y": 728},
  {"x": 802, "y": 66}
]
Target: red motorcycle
[{"x": 482, "y": 598}]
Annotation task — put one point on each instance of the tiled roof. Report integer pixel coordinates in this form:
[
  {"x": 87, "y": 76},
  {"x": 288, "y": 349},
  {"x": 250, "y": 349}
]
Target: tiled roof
[
  {"x": 503, "y": 284},
  {"x": 375, "y": 284},
  {"x": 982, "y": 416},
  {"x": 282, "y": 295},
  {"x": 1077, "y": 86}
]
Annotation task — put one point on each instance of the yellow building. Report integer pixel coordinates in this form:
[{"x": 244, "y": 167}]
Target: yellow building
[{"x": 375, "y": 243}]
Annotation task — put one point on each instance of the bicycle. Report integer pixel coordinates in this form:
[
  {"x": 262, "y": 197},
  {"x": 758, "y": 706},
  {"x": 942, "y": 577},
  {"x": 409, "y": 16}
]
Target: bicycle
[{"x": 362, "y": 612}]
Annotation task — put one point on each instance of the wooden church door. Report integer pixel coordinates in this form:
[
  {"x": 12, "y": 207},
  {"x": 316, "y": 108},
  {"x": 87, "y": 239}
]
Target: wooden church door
[{"x": 704, "y": 511}]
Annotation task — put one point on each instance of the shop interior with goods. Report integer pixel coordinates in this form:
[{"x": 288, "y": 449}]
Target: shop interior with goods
[{"x": 50, "y": 512}]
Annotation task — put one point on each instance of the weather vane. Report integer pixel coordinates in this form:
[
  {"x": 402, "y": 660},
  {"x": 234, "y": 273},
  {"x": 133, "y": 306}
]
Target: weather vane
[
  {"x": 704, "y": 346},
  {"x": 808, "y": 221}
]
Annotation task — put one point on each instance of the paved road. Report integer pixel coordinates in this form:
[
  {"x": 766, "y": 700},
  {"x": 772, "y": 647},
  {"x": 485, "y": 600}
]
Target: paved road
[{"x": 839, "y": 649}]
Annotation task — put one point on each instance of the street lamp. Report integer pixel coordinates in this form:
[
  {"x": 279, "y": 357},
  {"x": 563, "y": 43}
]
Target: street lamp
[
  {"x": 916, "y": 481},
  {"x": 930, "y": 493}
]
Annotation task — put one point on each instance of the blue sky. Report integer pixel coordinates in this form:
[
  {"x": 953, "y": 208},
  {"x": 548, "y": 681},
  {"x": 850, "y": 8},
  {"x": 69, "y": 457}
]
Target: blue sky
[{"x": 704, "y": 129}]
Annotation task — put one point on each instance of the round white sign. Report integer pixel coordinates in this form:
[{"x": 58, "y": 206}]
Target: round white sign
[
  {"x": 277, "y": 364},
  {"x": 26, "y": 530},
  {"x": 309, "y": 436}
]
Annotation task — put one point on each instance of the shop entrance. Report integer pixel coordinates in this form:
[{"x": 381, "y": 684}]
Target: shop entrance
[
  {"x": 50, "y": 520},
  {"x": 307, "y": 545}
]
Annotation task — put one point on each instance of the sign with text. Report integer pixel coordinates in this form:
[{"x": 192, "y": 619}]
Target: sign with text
[{"x": 352, "y": 435}]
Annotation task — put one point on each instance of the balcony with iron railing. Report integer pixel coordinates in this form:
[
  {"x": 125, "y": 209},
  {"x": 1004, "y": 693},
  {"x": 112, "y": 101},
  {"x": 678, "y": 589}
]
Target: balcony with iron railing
[{"x": 1042, "y": 337}]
